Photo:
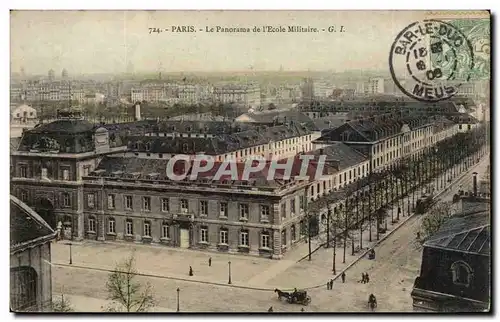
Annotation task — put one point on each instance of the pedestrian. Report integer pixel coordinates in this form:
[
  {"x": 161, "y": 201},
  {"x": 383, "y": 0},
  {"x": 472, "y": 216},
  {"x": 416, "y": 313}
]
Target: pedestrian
[
  {"x": 190, "y": 271},
  {"x": 328, "y": 285},
  {"x": 363, "y": 278},
  {"x": 302, "y": 310},
  {"x": 270, "y": 309},
  {"x": 343, "y": 277},
  {"x": 331, "y": 284},
  {"x": 367, "y": 278},
  {"x": 59, "y": 230},
  {"x": 210, "y": 262}
]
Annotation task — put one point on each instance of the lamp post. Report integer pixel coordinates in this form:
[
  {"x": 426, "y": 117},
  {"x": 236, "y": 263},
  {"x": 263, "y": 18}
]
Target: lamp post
[
  {"x": 70, "y": 255},
  {"x": 178, "y": 295},
  {"x": 229, "y": 282}
]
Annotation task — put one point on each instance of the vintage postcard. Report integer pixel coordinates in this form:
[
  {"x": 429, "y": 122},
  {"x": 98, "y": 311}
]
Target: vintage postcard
[{"x": 250, "y": 161}]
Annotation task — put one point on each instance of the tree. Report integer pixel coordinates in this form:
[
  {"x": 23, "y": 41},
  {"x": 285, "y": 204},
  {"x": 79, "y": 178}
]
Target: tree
[
  {"x": 62, "y": 305},
  {"x": 127, "y": 294},
  {"x": 431, "y": 223}
]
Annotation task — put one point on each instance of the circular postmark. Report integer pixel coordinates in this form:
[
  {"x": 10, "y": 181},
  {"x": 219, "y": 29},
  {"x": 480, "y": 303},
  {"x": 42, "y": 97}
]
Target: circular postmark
[{"x": 430, "y": 60}]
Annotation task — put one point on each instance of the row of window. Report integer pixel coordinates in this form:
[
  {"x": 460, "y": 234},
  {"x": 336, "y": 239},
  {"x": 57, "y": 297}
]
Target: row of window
[
  {"x": 64, "y": 172},
  {"x": 166, "y": 232},
  {"x": 243, "y": 208}
]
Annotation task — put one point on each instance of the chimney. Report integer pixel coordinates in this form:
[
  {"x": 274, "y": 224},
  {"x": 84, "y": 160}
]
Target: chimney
[
  {"x": 474, "y": 183},
  {"x": 137, "y": 111}
]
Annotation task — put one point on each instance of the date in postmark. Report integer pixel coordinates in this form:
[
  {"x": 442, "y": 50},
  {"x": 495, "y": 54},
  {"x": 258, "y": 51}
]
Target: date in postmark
[{"x": 430, "y": 60}]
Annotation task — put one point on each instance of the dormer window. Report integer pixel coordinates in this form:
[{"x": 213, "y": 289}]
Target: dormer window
[
  {"x": 148, "y": 146},
  {"x": 188, "y": 129},
  {"x": 185, "y": 147}
]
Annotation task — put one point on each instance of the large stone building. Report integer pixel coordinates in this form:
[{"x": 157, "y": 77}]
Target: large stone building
[
  {"x": 30, "y": 267},
  {"x": 108, "y": 182}
]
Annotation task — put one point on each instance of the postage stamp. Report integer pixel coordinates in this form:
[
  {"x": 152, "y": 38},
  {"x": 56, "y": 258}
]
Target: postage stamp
[{"x": 431, "y": 59}]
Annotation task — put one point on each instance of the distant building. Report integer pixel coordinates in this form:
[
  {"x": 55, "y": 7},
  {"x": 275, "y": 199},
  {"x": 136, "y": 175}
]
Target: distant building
[
  {"x": 64, "y": 73},
  {"x": 247, "y": 95},
  {"x": 51, "y": 75},
  {"x": 30, "y": 267},
  {"x": 455, "y": 274},
  {"x": 24, "y": 114},
  {"x": 376, "y": 86}
]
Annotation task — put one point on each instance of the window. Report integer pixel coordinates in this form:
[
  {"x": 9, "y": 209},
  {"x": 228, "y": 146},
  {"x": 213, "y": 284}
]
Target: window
[
  {"x": 23, "y": 171},
  {"x": 129, "y": 227},
  {"x": 204, "y": 235},
  {"x": 264, "y": 212},
  {"x": 111, "y": 226},
  {"x": 264, "y": 240},
  {"x": 283, "y": 210},
  {"x": 92, "y": 225},
  {"x": 223, "y": 209},
  {"x": 243, "y": 211},
  {"x": 165, "y": 204},
  {"x": 301, "y": 202},
  {"x": 146, "y": 203},
  {"x": 165, "y": 231},
  {"x": 244, "y": 238},
  {"x": 147, "y": 229},
  {"x": 44, "y": 172},
  {"x": 111, "y": 201},
  {"x": 66, "y": 200},
  {"x": 90, "y": 200},
  {"x": 203, "y": 208},
  {"x": 128, "y": 202},
  {"x": 24, "y": 195},
  {"x": 223, "y": 236},
  {"x": 461, "y": 273},
  {"x": 184, "y": 205},
  {"x": 65, "y": 175},
  {"x": 86, "y": 170},
  {"x": 293, "y": 233}
]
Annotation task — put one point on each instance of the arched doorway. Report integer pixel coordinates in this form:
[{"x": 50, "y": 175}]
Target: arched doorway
[
  {"x": 45, "y": 209},
  {"x": 23, "y": 292}
]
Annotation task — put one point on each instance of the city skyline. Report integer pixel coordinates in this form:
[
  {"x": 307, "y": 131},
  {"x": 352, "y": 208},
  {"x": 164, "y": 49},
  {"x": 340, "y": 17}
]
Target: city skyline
[{"x": 116, "y": 39}]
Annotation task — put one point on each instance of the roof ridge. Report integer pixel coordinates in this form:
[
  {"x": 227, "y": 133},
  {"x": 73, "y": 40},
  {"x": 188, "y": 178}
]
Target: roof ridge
[
  {"x": 458, "y": 233},
  {"x": 31, "y": 213}
]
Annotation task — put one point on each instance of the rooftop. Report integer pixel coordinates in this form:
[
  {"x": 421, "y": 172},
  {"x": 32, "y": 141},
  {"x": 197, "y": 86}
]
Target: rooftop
[
  {"x": 467, "y": 232},
  {"x": 68, "y": 126},
  {"x": 26, "y": 226}
]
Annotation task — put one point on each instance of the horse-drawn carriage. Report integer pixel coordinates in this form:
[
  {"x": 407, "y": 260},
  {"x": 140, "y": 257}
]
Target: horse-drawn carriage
[{"x": 295, "y": 297}]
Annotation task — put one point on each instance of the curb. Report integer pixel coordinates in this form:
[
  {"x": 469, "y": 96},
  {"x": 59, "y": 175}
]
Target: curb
[{"x": 399, "y": 225}]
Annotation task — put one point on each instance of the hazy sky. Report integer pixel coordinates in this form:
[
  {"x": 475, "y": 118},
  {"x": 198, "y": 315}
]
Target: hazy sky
[{"x": 106, "y": 41}]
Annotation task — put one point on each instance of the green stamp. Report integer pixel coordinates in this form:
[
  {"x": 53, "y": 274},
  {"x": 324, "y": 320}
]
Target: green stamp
[{"x": 477, "y": 32}]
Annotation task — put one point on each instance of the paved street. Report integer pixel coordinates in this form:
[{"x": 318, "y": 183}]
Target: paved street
[{"x": 391, "y": 274}]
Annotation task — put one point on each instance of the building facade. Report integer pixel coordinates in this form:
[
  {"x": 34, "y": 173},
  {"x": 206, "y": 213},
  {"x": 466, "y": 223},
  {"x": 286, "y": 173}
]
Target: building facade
[{"x": 30, "y": 268}]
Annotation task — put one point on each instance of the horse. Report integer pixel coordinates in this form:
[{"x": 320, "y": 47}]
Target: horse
[
  {"x": 282, "y": 294},
  {"x": 372, "y": 302}
]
